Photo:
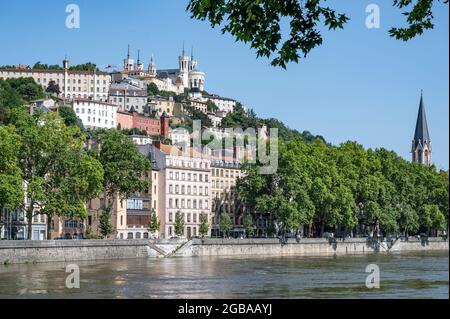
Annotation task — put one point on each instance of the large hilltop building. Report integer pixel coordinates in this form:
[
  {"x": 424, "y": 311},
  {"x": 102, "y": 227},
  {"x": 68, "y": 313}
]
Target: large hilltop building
[
  {"x": 73, "y": 84},
  {"x": 186, "y": 76},
  {"x": 421, "y": 144}
]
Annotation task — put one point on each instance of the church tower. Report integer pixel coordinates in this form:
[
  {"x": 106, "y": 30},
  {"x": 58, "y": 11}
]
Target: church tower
[
  {"x": 128, "y": 63},
  {"x": 184, "y": 61},
  {"x": 192, "y": 62},
  {"x": 421, "y": 144},
  {"x": 152, "y": 67},
  {"x": 139, "y": 65}
]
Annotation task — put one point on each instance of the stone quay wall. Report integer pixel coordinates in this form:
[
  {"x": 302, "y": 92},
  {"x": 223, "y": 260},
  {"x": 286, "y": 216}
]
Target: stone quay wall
[
  {"x": 305, "y": 247},
  {"x": 17, "y": 252},
  {"x": 87, "y": 250}
]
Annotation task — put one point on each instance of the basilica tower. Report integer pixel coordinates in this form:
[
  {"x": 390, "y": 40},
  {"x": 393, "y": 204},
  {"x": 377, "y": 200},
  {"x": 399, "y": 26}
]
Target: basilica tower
[{"x": 184, "y": 61}]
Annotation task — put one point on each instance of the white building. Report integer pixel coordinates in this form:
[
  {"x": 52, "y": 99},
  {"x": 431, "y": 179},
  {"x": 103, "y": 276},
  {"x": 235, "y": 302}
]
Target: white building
[
  {"x": 223, "y": 103},
  {"x": 95, "y": 114},
  {"x": 141, "y": 139}
]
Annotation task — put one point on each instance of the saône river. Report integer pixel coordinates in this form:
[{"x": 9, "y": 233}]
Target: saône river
[{"x": 402, "y": 275}]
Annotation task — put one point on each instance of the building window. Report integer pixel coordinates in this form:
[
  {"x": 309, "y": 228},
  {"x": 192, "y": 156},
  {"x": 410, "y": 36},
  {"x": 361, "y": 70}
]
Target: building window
[
  {"x": 130, "y": 236},
  {"x": 134, "y": 204}
]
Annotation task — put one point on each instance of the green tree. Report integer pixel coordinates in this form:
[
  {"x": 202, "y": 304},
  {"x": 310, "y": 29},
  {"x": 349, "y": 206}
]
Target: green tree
[
  {"x": 69, "y": 116},
  {"x": 105, "y": 225},
  {"x": 211, "y": 106},
  {"x": 225, "y": 223},
  {"x": 88, "y": 66},
  {"x": 260, "y": 23},
  {"x": 154, "y": 224},
  {"x": 204, "y": 225},
  {"x": 40, "y": 66},
  {"x": 11, "y": 188},
  {"x": 27, "y": 88},
  {"x": 179, "y": 223},
  {"x": 124, "y": 169},
  {"x": 432, "y": 217},
  {"x": 9, "y": 98},
  {"x": 152, "y": 89},
  {"x": 248, "y": 225},
  {"x": 408, "y": 221},
  {"x": 53, "y": 88},
  {"x": 59, "y": 176}
]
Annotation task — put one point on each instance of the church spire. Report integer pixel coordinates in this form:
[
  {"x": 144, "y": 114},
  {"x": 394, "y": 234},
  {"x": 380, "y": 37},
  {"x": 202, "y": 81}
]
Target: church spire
[
  {"x": 421, "y": 146},
  {"x": 139, "y": 56},
  {"x": 128, "y": 55},
  {"x": 182, "y": 52},
  {"x": 421, "y": 134}
]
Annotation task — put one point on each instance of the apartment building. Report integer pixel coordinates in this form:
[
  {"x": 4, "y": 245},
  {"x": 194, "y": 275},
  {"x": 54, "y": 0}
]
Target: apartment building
[
  {"x": 161, "y": 105},
  {"x": 183, "y": 186},
  {"x": 153, "y": 126},
  {"x": 126, "y": 97},
  {"x": 95, "y": 114},
  {"x": 224, "y": 174}
]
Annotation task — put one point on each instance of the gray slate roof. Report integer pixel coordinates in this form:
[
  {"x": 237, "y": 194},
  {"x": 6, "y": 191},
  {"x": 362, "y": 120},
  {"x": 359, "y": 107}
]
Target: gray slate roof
[{"x": 421, "y": 134}]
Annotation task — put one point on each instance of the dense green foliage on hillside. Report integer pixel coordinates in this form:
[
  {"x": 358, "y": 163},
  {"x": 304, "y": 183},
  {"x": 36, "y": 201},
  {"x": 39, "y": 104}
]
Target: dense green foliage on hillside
[{"x": 17, "y": 92}]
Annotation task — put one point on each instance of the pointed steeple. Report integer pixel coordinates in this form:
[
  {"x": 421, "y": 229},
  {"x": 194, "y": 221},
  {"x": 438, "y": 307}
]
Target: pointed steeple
[
  {"x": 128, "y": 55},
  {"x": 139, "y": 57},
  {"x": 421, "y": 144},
  {"x": 182, "y": 52},
  {"x": 192, "y": 53},
  {"x": 421, "y": 134}
]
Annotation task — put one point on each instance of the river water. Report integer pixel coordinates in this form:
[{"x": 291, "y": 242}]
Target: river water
[{"x": 405, "y": 275}]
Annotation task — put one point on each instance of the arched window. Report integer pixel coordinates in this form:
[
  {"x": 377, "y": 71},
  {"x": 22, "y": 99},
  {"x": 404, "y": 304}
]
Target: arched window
[
  {"x": 138, "y": 235},
  {"x": 146, "y": 235},
  {"x": 130, "y": 236}
]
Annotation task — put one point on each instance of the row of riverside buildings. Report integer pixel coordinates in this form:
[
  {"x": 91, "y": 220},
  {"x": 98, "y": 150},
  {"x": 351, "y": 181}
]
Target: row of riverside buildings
[{"x": 193, "y": 183}]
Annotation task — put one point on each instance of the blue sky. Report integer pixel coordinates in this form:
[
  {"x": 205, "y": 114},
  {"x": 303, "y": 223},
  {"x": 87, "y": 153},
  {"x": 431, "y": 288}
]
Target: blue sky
[{"x": 359, "y": 85}]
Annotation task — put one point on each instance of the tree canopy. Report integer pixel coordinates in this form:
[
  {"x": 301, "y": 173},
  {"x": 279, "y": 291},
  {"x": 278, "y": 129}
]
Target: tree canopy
[
  {"x": 56, "y": 173},
  {"x": 347, "y": 189},
  {"x": 260, "y": 23}
]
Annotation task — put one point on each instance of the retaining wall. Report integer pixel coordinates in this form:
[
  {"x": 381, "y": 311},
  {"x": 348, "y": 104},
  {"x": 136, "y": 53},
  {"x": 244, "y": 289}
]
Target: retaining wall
[{"x": 72, "y": 250}]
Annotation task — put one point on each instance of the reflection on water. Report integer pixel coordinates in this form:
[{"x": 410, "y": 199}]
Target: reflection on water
[{"x": 406, "y": 275}]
